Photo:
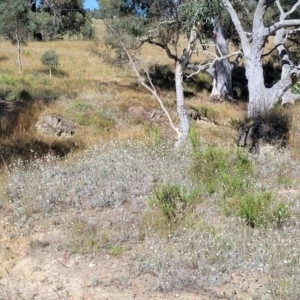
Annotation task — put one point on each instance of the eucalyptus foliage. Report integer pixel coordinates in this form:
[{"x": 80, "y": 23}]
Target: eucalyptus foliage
[
  {"x": 15, "y": 20},
  {"x": 66, "y": 17},
  {"x": 50, "y": 59}
]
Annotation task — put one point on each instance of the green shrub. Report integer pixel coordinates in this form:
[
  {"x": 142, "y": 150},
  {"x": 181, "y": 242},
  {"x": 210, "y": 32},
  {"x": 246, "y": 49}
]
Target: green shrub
[
  {"x": 296, "y": 87},
  {"x": 259, "y": 209},
  {"x": 226, "y": 171},
  {"x": 173, "y": 202},
  {"x": 88, "y": 30},
  {"x": 50, "y": 59},
  {"x": 117, "y": 250},
  {"x": 194, "y": 139}
]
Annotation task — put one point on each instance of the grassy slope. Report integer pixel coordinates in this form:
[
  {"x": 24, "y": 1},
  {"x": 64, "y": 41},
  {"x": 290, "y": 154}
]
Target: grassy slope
[
  {"x": 100, "y": 203},
  {"x": 85, "y": 85}
]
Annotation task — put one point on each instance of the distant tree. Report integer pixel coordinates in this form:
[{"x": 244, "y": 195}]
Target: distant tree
[
  {"x": 50, "y": 59},
  {"x": 88, "y": 31},
  {"x": 16, "y": 23},
  {"x": 67, "y": 17},
  {"x": 95, "y": 14}
]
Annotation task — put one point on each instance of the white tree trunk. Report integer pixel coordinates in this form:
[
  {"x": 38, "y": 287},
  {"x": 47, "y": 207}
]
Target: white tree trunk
[
  {"x": 261, "y": 98},
  {"x": 181, "y": 110},
  {"x": 221, "y": 72},
  {"x": 181, "y": 64},
  {"x": 289, "y": 98},
  {"x": 19, "y": 52}
]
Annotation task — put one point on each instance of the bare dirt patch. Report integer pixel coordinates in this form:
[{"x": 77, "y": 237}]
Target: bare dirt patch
[
  {"x": 36, "y": 263},
  {"x": 49, "y": 272}
]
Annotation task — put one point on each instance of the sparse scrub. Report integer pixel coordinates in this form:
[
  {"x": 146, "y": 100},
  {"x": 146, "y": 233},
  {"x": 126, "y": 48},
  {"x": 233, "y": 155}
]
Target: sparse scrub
[
  {"x": 82, "y": 238},
  {"x": 104, "y": 175},
  {"x": 229, "y": 174}
]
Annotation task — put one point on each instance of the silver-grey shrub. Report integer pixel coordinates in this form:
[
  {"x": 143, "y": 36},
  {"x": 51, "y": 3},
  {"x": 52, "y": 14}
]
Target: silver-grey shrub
[{"x": 103, "y": 175}]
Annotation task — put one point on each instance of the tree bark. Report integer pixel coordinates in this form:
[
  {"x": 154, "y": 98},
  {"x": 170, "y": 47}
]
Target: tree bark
[
  {"x": 261, "y": 98},
  {"x": 181, "y": 110},
  {"x": 19, "y": 50},
  {"x": 181, "y": 64},
  {"x": 221, "y": 72}
]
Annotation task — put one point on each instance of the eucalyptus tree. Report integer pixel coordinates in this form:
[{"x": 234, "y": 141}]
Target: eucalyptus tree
[
  {"x": 58, "y": 17},
  {"x": 16, "y": 23},
  {"x": 254, "y": 43},
  {"x": 50, "y": 59},
  {"x": 161, "y": 23}
]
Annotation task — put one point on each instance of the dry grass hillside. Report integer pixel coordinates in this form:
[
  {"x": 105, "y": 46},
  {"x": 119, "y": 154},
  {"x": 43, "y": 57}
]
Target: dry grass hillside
[{"x": 114, "y": 212}]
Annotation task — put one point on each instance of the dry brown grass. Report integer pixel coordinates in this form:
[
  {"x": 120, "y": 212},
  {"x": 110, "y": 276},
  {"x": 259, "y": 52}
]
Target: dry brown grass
[
  {"x": 99, "y": 87},
  {"x": 295, "y": 129}
]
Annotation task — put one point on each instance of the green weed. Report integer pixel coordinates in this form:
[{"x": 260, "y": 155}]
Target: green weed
[
  {"x": 117, "y": 250},
  {"x": 173, "y": 202},
  {"x": 194, "y": 139},
  {"x": 259, "y": 209},
  {"x": 208, "y": 112},
  {"x": 7, "y": 79},
  {"x": 103, "y": 119},
  {"x": 223, "y": 170},
  {"x": 80, "y": 106},
  {"x": 154, "y": 133}
]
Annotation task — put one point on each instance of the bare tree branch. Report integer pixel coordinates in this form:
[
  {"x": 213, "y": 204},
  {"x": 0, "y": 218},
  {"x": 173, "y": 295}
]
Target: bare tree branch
[
  {"x": 281, "y": 24},
  {"x": 295, "y": 6},
  {"x": 274, "y": 48},
  {"x": 160, "y": 25},
  {"x": 238, "y": 26},
  {"x": 150, "y": 88},
  {"x": 165, "y": 47},
  {"x": 208, "y": 65},
  {"x": 293, "y": 31}
]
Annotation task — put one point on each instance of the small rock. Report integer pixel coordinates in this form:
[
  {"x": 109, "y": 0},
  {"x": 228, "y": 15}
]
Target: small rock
[{"x": 55, "y": 125}]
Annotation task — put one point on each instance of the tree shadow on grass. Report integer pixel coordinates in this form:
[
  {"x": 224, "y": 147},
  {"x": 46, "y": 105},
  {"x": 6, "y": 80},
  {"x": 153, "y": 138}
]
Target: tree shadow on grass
[
  {"x": 55, "y": 72},
  {"x": 198, "y": 82},
  {"x": 16, "y": 95},
  {"x": 163, "y": 77},
  {"x": 32, "y": 149},
  {"x": 3, "y": 58}
]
